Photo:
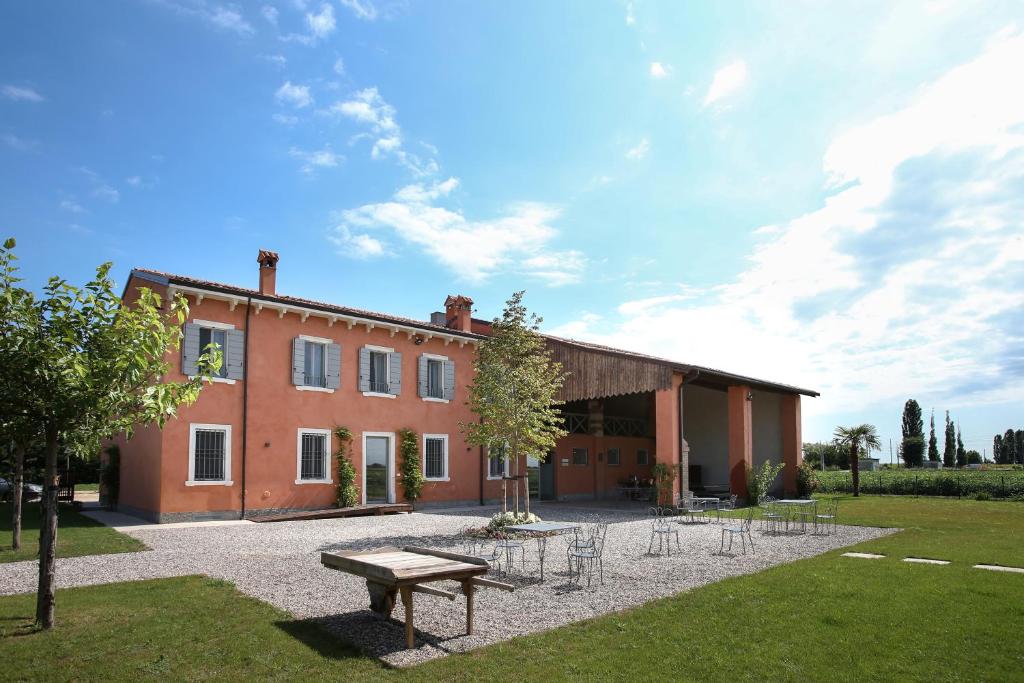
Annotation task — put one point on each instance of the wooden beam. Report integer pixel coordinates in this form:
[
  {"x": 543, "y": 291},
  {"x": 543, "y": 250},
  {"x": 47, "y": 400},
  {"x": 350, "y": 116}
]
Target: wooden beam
[
  {"x": 437, "y": 592},
  {"x": 410, "y": 638},
  {"x": 489, "y": 583},
  {"x": 468, "y": 559}
]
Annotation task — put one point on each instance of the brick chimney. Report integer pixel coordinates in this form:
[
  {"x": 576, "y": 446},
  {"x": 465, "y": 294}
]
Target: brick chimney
[
  {"x": 458, "y": 312},
  {"x": 268, "y": 271}
]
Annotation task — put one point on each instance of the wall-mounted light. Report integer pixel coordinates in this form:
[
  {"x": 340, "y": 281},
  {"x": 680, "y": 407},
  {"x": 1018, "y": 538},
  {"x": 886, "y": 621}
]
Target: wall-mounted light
[
  {"x": 750, "y": 395},
  {"x": 418, "y": 340}
]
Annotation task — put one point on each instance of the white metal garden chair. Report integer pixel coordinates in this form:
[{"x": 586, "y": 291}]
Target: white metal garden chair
[{"x": 742, "y": 530}]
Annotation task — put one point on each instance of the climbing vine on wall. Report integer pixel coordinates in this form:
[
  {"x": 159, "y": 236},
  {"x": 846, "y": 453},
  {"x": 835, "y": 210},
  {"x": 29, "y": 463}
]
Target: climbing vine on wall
[
  {"x": 411, "y": 473},
  {"x": 348, "y": 492}
]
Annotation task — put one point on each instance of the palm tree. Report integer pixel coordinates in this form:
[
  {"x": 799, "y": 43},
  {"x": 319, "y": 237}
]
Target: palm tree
[{"x": 862, "y": 437}]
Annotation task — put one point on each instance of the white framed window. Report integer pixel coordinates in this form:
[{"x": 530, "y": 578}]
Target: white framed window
[
  {"x": 209, "y": 455},
  {"x": 580, "y": 456},
  {"x": 497, "y": 463},
  {"x": 613, "y": 456},
  {"x": 435, "y": 457},
  {"x": 435, "y": 378},
  {"x": 313, "y": 456},
  {"x": 315, "y": 373},
  {"x": 379, "y": 371},
  {"x": 641, "y": 456},
  {"x": 213, "y": 332}
]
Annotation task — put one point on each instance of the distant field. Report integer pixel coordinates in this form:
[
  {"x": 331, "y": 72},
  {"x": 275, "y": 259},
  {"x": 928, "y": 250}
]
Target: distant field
[{"x": 1003, "y": 483}]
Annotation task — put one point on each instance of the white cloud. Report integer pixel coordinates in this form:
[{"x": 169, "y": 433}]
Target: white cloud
[
  {"x": 285, "y": 119},
  {"x": 280, "y": 61},
  {"x": 322, "y": 24},
  {"x": 357, "y": 245},
  {"x": 71, "y": 206},
  {"x": 295, "y": 95},
  {"x": 659, "y": 70},
  {"x": 106, "y": 193},
  {"x": 134, "y": 181},
  {"x": 367, "y": 107},
  {"x": 320, "y": 158},
  {"x": 21, "y": 93},
  {"x": 15, "y": 142},
  {"x": 339, "y": 66},
  {"x": 908, "y": 281},
  {"x": 269, "y": 13},
  {"x": 639, "y": 151},
  {"x": 362, "y": 9},
  {"x": 630, "y": 17},
  {"x": 726, "y": 82},
  {"x": 518, "y": 241},
  {"x": 229, "y": 18}
]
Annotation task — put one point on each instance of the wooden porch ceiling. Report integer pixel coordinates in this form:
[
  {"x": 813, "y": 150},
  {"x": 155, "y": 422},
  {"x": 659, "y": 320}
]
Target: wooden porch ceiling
[{"x": 593, "y": 374}]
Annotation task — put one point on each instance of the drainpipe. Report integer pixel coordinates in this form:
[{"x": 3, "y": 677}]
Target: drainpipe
[
  {"x": 483, "y": 469},
  {"x": 245, "y": 396}
]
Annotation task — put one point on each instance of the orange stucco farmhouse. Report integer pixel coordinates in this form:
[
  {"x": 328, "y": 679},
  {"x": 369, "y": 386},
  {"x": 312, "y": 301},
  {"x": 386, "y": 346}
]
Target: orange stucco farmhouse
[{"x": 259, "y": 439}]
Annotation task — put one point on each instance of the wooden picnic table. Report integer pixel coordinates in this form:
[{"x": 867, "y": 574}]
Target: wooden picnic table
[{"x": 392, "y": 571}]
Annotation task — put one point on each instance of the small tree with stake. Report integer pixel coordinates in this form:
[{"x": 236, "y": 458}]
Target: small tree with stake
[
  {"x": 515, "y": 391},
  {"x": 98, "y": 368},
  {"x": 862, "y": 438}
]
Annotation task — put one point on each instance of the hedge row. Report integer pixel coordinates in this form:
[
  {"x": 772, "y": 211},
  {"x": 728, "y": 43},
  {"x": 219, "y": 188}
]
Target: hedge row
[{"x": 966, "y": 483}]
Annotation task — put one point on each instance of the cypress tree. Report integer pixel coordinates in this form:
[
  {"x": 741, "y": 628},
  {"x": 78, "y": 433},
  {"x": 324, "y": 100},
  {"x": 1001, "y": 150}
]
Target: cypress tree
[
  {"x": 949, "y": 453},
  {"x": 961, "y": 453},
  {"x": 1010, "y": 454},
  {"x": 1019, "y": 441},
  {"x": 997, "y": 449},
  {"x": 933, "y": 445}
]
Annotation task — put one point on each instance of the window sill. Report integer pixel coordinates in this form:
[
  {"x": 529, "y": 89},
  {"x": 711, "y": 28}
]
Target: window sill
[
  {"x": 217, "y": 380},
  {"x": 322, "y": 390},
  {"x": 209, "y": 483},
  {"x": 430, "y": 479},
  {"x": 313, "y": 481},
  {"x": 379, "y": 395},
  {"x": 431, "y": 399},
  {"x": 490, "y": 478}
]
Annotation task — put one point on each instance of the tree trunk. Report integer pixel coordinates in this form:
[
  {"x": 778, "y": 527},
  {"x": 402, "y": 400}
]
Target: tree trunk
[
  {"x": 48, "y": 535},
  {"x": 855, "y": 469},
  {"x": 515, "y": 484},
  {"x": 19, "y": 483}
]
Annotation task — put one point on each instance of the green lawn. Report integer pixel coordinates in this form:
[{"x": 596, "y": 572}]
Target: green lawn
[
  {"x": 825, "y": 618},
  {"x": 87, "y": 487},
  {"x": 76, "y": 535}
]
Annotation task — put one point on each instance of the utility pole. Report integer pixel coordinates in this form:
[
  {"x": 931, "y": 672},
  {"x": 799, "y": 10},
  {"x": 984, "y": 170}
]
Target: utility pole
[{"x": 891, "y": 461}]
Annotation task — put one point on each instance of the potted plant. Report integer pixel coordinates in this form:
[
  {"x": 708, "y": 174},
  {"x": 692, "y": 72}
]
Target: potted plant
[{"x": 664, "y": 475}]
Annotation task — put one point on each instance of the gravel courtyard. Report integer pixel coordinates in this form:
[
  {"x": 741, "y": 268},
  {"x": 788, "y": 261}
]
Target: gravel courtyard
[{"x": 280, "y": 563}]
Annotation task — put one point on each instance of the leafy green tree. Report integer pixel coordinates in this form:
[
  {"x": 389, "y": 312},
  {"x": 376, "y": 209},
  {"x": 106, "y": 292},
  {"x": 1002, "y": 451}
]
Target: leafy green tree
[
  {"x": 411, "y": 472},
  {"x": 1018, "y": 445},
  {"x": 933, "y": 445},
  {"x": 1010, "y": 454},
  {"x": 961, "y": 453},
  {"x": 515, "y": 392},
  {"x": 997, "y": 449},
  {"x": 98, "y": 368},
  {"x": 827, "y": 451},
  {"x": 949, "y": 452},
  {"x": 973, "y": 457},
  {"x": 859, "y": 439},
  {"x": 912, "y": 445}
]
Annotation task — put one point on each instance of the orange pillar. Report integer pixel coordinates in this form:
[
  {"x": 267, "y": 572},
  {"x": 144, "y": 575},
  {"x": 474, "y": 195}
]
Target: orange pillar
[
  {"x": 792, "y": 441},
  {"x": 666, "y": 429},
  {"x": 741, "y": 438}
]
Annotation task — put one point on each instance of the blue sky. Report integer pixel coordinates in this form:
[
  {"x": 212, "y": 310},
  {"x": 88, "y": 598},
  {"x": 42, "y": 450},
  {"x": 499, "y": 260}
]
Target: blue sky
[{"x": 829, "y": 196}]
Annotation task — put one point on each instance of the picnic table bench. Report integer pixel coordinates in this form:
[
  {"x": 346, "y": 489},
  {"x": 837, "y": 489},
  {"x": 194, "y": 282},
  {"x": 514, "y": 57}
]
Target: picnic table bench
[{"x": 392, "y": 571}]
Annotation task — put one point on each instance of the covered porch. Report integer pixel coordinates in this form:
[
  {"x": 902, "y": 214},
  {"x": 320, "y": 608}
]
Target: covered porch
[{"x": 626, "y": 411}]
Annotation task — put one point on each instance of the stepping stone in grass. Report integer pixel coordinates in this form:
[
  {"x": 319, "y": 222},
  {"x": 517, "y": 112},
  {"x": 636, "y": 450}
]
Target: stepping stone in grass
[
  {"x": 923, "y": 560},
  {"x": 998, "y": 568},
  {"x": 864, "y": 556}
]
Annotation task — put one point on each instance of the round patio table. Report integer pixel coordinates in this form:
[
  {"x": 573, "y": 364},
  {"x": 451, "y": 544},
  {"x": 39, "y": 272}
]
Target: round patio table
[{"x": 542, "y": 531}]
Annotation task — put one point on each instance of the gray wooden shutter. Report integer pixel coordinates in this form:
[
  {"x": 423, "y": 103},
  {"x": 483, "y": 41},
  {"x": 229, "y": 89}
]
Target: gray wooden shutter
[
  {"x": 449, "y": 380},
  {"x": 364, "y": 369},
  {"x": 190, "y": 351},
  {"x": 333, "y": 363},
  {"x": 395, "y": 373},
  {"x": 422, "y": 366},
  {"x": 298, "y": 362},
  {"x": 234, "y": 354}
]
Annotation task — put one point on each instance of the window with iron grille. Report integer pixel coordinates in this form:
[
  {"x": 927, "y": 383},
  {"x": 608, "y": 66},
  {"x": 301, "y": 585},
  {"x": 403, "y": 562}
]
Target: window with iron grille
[
  {"x": 315, "y": 370},
  {"x": 613, "y": 456},
  {"x": 313, "y": 456},
  {"x": 579, "y": 456},
  {"x": 435, "y": 457},
  {"x": 641, "y": 456},
  {"x": 209, "y": 335},
  {"x": 435, "y": 378},
  {"x": 210, "y": 454},
  {"x": 379, "y": 372}
]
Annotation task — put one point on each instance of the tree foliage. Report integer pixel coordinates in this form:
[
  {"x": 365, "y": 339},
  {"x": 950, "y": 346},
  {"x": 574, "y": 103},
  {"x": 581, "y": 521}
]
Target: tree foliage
[
  {"x": 829, "y": 451},
  {"x": 94, "y": 368},
  {"x": 411, "y": 472},
  {"x": 348, "y": 492},
  {"x": 515, "y": 392},
  {"x": 961, "y": 452},
  {"x": 949, "y": 452},
  {"x": 933, "y": 444},
  {"x": 912, "y": 445},
  {"x": 859, "y": 439}
]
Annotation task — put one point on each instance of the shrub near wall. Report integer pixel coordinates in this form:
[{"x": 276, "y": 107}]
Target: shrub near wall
[{"x": 904, "y": 482}]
